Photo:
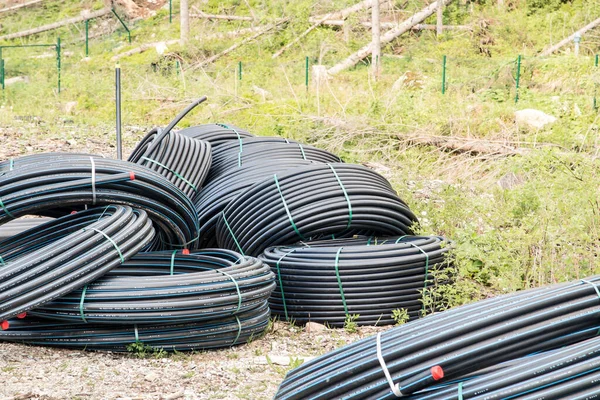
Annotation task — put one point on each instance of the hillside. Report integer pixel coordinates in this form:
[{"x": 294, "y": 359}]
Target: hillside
[{"x": 521, "y": 203}]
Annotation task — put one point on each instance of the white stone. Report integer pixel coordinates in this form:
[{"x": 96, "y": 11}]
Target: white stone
[{"x": 533, "y": 118}]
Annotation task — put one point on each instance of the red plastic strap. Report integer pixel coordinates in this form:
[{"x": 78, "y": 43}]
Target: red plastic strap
[
  {"x": 132, "y": 176},
  {"x": 185, "y": 252},
  {"x": 22, "y": 315},
  {"x": 4, "y": 325}
]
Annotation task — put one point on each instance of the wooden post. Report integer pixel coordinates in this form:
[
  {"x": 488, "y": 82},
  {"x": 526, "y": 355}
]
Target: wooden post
[
  {"x": 184, "y": 11},
  {"x": 376, "y": 32},
  {"x": 440, "y": 17}
]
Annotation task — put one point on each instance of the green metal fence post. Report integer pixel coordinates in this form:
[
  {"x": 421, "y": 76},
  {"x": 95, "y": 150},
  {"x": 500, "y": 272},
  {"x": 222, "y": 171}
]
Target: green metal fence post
[
  {"x": 1, "y": 69},
  {"x": 240, "y": 70},
  {"x": 122, "y": 23},
  {"x": 444, "y": 75},
  {"x": 518, "y": 78},
  {"x": 58, "y": 61},
  {"x": 87, "y": 37},
  {"x": 596, "y": 83},
  {"x": 306, "y": 73}
]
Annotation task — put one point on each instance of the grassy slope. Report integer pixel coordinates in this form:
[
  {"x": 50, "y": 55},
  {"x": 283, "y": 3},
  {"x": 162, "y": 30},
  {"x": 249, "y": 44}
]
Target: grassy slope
[{"x": 544, "y": 229}]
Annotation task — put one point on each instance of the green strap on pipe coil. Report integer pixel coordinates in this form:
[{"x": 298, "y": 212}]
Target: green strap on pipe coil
[
  {"x": 345, "y": 195},
  {"x": 287, "y": 210},
  {"x": 339, "y": 279},
  {"x": 173, "y": 172},
  {"x": 81, "y": 313},
  {"x": 232, "y": 235},
  {"x": 110, "y": 240}
]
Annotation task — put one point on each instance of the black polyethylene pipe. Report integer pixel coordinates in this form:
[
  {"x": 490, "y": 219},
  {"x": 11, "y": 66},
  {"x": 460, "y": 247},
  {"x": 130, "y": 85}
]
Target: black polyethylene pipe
[
  {"x": 201, "y": 335},
  {"x": 55, "y": 184},
  {"x": 311, "y": 202},
  {"x": 167, "y": 288},
  {"x": 181, "y": 159},
  {"x": 326, "y": 281},
  {"x": 216, "y": 134},
  {"x": 41, "y": 269},
  {"x": 451, "y": 344}
]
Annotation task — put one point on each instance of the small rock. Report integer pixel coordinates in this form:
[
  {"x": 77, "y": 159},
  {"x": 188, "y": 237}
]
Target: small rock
[
  {"x": 313, "y": 327},
  {"x": 70, "y": 106},
  {"x": 151, "y": 377},
  {"x": 533, "y": 118}
]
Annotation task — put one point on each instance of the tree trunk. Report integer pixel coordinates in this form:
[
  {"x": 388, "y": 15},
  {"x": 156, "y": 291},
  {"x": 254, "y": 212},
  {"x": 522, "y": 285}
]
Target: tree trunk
[
  {"x": 55, "y": 25},
  {"x": 376, "y": 32},
  {"x": 184, "y": 28},
  {"x": 569, "y": 39},
  {"x": 387, "y": 37},
  {"x": 440, "y": 17}
]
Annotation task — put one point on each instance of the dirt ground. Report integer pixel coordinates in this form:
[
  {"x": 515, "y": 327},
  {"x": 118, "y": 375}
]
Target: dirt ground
[{"x": 251, "y": 371}]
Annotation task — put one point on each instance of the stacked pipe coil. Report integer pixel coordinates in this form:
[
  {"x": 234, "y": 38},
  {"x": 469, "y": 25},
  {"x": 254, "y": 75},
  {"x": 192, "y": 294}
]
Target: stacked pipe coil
[
  {"x": 216, "y": 134},
  {"x": 213, "y": 198},
  {"x": 20, "y": 225},
  {"x": 326, "y": 282},
  {"x": 168, "y": 288},
  {"x": 235, "y": 154},
  {"x": 309, "y": 202},
  {"x": 202, "y": 335},
  {"x": 181, "y": 159},
  {"x": 41, "y": 267},
  {"x": 440, "y": 348},
  {"x": 56, "y": 184}
]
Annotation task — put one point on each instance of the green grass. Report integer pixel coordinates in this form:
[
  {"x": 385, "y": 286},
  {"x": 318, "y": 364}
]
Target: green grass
[{"x": 542, "y": 230}]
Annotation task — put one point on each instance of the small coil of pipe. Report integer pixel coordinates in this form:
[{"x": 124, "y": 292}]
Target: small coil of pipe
[
  {"x": 213, "y": 198},
  {"x": 202, "y": 335},
  {"x": 56, "y": 184},
  {"x": 216, "y": 134},
  {"x": 168, "y": 288},
  {"x": 42, "y": 264},
  {"x": 183, "y": 160},
  {"x": 311, "y": 202},
  {"x": 444, "y": 347},
  {"x": 328, "y": 281},
  {"x": 233, "y": 155}
]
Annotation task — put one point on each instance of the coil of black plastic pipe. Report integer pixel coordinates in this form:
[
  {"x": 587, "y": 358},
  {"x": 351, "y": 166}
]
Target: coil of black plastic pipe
[
  {"x": 20, "y": 225},
  {"x": 52, "y": 266},
  {"x": 442, "y": 347},
  {"x": 181, "y": 159},
  {"x": 168, "y": 287},
  {"x": 216, "y": 134},
  {"x": 55, "y": 184},
  {"x": 201, "y": 335},
  {"x": 555, "y": 374},
  {"x": 234, "y": 155},
  {"x": 309, "y": 202},
  {"x": 326, "y": 282},
  {"x": 213, "y": 198}
]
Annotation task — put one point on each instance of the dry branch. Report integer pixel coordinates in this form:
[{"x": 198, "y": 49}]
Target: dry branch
[
  {"x": 393, "y": 25},
  {"x": 22, "y": 5},
  {"x": 387, "y": 37},
  {"x": 465, "y": 145},
  {"x": 143, "y": 48},
  {"x": 200, "y": 14},
  {"x": 346, "y": 12},
  {"x": 235, "y": 46},
  {"x": 56, "y": 25},
  {"x": 569, "y": 39}
]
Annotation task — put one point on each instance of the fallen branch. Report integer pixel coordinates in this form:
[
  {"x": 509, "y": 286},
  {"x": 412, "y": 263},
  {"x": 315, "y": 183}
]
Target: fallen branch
[
  {"x": 346, "y": 12},
  {"x": 143, "y": 48},
  {"x": 22, "y": 5},
  {"x": 235, "y": 46},
  {"x": 56, "y": 25},
  {"x": 200, "y": 14},
  {"x": 569, "y": 39},
  {"x": 387, "y": 37},
  {"x": 393, "y": 25},
  {"x": 301, "y": 36},
  {"x": 465, "y": 145},
  {"x": 222, "y": 35}
]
